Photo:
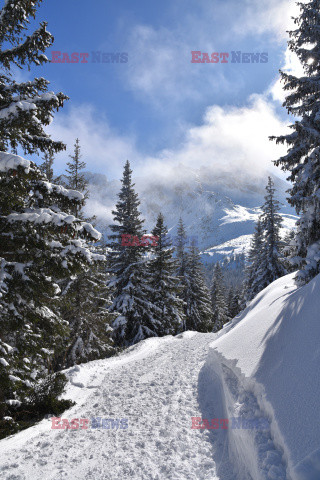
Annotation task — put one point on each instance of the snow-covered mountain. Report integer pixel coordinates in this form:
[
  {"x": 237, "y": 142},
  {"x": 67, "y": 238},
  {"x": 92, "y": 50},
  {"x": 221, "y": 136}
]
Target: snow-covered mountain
[{"x": 219, "y": 209}]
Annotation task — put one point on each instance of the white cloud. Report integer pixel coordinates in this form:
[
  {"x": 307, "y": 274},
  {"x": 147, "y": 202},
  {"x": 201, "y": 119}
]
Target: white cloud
[
  {"x": 292, "y": 66},
  {"x": 266, "y": 16},
  {"x": 103, "y": 149},
  {"x": 230, "y": 139},
  {"x": 100, "y": 208},
  {"x": 160, "y": 68}
]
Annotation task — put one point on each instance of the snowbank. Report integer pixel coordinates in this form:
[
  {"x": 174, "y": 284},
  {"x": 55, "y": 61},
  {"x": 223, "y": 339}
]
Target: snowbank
[{"x": 269, "y": 360}]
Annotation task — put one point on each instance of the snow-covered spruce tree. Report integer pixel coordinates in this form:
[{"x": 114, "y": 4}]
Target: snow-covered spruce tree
[
  {"x": 181, "y": 248},
  {"x": 164, "y": 284},
  {"x": 75, "y": 178},
  {"x": 85, "y": 296},
  {"x": 303, "y": 157},
  {"x": 46, "y": 166},
  {"x": 37, "y": 249},
  {"x": 127, "y": 267},
  {"x": 84, "y": 304},
  {"x": 181, "y": 256},
  {"x": 271, "y": 267},
  {"x": 288, "y": 251},
  {"x": 6, "y": 423},
  {"x": 197, "y": 295},
  {"x": 253, "y": 274},
  {"x": 234, "y": 302},
  {"x": 25, "y": 107},
  {"x": 218, "y": 299}
]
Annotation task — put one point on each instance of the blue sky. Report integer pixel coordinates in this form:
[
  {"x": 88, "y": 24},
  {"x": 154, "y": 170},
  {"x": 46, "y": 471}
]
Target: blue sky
[{"x": 159, "y": 108}]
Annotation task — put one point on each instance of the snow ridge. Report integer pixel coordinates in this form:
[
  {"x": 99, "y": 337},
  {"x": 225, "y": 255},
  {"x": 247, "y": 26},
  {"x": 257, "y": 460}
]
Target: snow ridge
[{"x": 255, "y": 453}]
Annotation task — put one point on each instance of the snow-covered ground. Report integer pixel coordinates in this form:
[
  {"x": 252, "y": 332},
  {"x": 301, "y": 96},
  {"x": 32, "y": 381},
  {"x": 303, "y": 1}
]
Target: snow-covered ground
[
  {"x": 270, "y": 355},
  {"x": 264, "y": 365}
]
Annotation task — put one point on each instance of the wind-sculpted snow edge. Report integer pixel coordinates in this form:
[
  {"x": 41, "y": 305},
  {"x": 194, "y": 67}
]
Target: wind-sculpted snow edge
[{"x": 254, "y": 454}]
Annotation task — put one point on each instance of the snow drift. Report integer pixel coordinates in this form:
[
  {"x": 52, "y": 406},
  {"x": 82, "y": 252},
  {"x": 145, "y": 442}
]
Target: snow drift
[{"x": 269, "y": 359}]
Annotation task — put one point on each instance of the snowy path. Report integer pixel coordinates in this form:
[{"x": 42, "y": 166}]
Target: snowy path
[
  {"x": 158, "y": 394},
  {"x": 158, "y": 386}
]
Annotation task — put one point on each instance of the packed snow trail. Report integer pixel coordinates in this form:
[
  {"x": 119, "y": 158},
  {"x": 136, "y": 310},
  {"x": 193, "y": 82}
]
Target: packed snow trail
[
  {"x": 158, "y": 385},
  {"x": 155, "y": 386},
  {"x": 264, "y": 364}
]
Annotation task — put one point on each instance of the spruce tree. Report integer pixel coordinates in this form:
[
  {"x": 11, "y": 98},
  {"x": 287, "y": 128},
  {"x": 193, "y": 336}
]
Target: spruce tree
[
  {"x": 265, "y": 262},
  {"x": 229, "y": 299},
  {"x": 197, "y": 296},
  {"x": 84, "y": 303},
  {"x": 234, "y": 302},
  {"x": 218, "y": 300},
  {"x": 181, "y": 256},
  {"x": 75, "y": 179},
  {"x": 40, "y": 245},
  {"x": 181, "y": 248},
  {"x": 25, "y": 107},
  {"x": 272, "y": 266},
  {"x": 164, "y": 284},
  {"x": 288, "y": 251},
  {"x": 253, "y": 271},
  {"x": 303, "y": 157},
  {"x": 136, "y": 318},
  {"x": 85, "y": 296},
  {"x": 47, "y": 166}
]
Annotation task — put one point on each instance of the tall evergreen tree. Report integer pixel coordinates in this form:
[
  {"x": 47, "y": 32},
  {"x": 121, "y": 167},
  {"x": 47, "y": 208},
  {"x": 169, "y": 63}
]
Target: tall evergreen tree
[
  {"x": 84, "y": 303},
  {"x": 265, "y": 262},
  {"x": 47, "y": 166},
  {"x": 25, "y": 107},
  {"x": 85, "y": 296},
  {"x": 136, "y": 319},
  {"x": 253, "y": 271},
  {"x": 272, "y": 266},
  {"x": 164, "y": 284},
  {"x": 234, "y": 302},
  {"x": 38, "y": 249},
  {"x": 303, "y": 157},
  {"x": 288, "y": 251},
  {"x": 218, "y": 299},
  {"x": 181, "y": 256},
  {"x": 197, "y": 296},
  {"x": 181, "y": 240},
  {"x": 75, "y": 179}
]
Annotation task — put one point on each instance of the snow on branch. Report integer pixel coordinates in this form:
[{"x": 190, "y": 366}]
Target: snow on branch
[
  {"x": 60, "y": 190},
  {"x": 8, "y": 161}
]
